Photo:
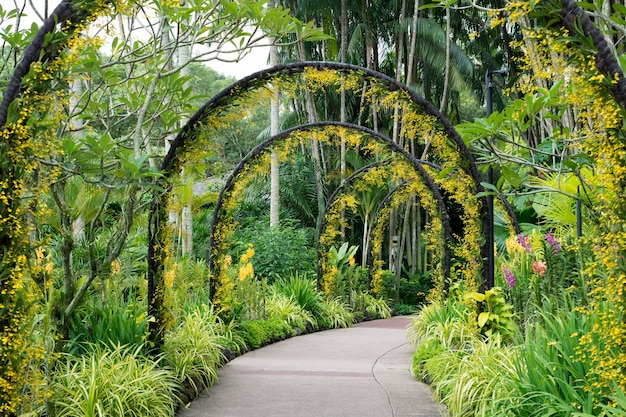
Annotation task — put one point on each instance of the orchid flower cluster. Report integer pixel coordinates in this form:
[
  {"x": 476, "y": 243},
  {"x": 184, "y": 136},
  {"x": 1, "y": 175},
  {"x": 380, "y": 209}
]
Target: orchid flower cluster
[{"x": 520, "y": 251}]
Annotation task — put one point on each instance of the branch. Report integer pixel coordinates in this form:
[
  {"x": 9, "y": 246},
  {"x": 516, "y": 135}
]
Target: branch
[{"x": 605, "y": 60}]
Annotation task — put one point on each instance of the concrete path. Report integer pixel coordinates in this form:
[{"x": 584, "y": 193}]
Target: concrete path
[{"x": 362, "y": 371}]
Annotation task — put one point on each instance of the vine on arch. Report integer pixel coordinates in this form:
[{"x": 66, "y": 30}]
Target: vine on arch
[{"x": 424, "y": 129}]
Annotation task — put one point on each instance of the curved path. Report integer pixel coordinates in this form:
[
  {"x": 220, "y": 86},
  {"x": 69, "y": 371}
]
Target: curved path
[{"x": 362, "y": 371}]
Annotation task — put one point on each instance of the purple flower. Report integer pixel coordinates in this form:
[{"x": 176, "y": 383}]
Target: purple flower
[
  {"x": 509, "y": 277},
  {"x": 524, "y": 240},
  {"x": 553, "y": 243}
]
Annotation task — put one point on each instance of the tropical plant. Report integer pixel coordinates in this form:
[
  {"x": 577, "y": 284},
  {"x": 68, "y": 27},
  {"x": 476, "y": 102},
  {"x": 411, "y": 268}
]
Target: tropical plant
[
  {"x": 335, "y": 314},
  {"x": 495, "y": 315},
  {"x": 376, "y": 308},
  {"x": 118, "y": 381},
  {"x": 550, "y": 377},
  {"x": 118, "y": 324},
  {"x": 193, "y": 350},
  {"x": 285, "y": 307},
  {"x": 303, "y": 291},
  {"x": 280, "y": 251}
]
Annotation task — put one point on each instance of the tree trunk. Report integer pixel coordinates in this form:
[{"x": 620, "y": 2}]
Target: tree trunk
[
  {"x": 274, "y": 164},
  {"x": 443, "y": 108}
]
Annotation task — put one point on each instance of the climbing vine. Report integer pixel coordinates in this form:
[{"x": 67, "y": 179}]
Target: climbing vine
[
  {"x": 423, "y": 130},
  {"x": 592, "y": 89},
  {"x": 31, "y": 109}
]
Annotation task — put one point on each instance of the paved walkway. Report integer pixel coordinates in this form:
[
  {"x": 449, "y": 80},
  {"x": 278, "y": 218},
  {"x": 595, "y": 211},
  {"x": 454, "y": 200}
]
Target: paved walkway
[{"x": 362, "y": 371}]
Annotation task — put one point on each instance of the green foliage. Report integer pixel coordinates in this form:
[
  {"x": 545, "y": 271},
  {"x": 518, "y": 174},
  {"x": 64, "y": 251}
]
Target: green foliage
[
  {"x": 412, "y": 289},
  {"x": 116, "y": 324},
  {"x": 251, "y": 296},
  {"x": 404, "y": 309},
  {"x": 193, "y": 350},
  {"x": 286, "y": 308},
  {"x": 425, "y": 350},
  {"x": 376, "y": 308},
  {"x": 550, "y": 376},
  {"x": 449, "y": 321},
  {"x": 258, "y": 333},
  {"x": 335, "y": 314},
  {"x": 280, "y": 251},
  {"x": 495, "y": 316},
  {"x": 345, "y": 277},
  {"x": 470, "y": 382},
  {"x": 113, "y": 382},
  {"x": 302, "y": 289}
]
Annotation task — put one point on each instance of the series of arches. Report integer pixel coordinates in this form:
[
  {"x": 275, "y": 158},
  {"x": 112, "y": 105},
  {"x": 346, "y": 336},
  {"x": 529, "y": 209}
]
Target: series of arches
[{"x": 434, "y": 176}]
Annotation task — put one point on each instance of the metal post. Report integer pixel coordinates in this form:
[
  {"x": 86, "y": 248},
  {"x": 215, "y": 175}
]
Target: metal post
[
  {"x": 488, "y": 272},
  {"x": 489, "y": 266}
]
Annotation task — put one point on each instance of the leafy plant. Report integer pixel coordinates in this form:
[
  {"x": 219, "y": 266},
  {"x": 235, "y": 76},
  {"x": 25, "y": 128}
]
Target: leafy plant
[
  {"x": 376, "y": 308},
  {"x": 549, "y": 375},
  {"x": 116, "y": 324},
  {"x": 425, "y": 350},
  {"x": 280, "y": 251},
  {"x": 478, "y": 379},
  {"x": 302, "y": 289},
  {"x": 258, "y": 333},
  {"x": 335, "y": 314},
  {"x": 286, "y": 308},
  {"x": 193, "y": 350},
  {"x": 113, "y": 382},
  {"x": 447, "y": 320},
  {"x": 495, "y": 316}
]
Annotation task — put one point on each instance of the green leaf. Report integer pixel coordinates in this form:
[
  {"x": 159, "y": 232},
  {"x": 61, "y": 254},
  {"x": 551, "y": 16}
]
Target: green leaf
[
  {"x": 475, "y": 296},
  {"x": 446, "y": 171},
  {"x": 511, "y": 176},
  {"x": 483, "y": 318},
  {"x": 489, "y": 186},
  {"x": 619, "y": 8}
]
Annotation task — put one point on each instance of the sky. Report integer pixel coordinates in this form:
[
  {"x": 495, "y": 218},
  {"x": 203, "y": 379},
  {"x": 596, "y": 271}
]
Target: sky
[{"x": 256, "y": 59}]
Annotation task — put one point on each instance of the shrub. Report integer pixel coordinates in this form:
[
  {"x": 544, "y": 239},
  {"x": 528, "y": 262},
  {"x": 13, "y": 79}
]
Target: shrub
[
  {"x": 258, "y": 333},
  {"x": 335, "y": 314},
  {"x": 376, "y": 308},
  {"x": 550, "y": 376},
  {"x": 113, "y": 382},
  {"x": 115, "y": 324},
  {"x": 476, "y": 381},
  {"x": 285, "y": 307},
  {"x": 193, "y": 350},
  {"x": 280, "y": 251},
  {"x": 425, "y": 350},
  {"x": 302, "y": 289}
]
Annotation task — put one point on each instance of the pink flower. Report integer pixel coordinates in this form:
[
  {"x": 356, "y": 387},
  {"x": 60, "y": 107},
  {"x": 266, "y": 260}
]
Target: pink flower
[
  {"x": 509, "y": 277},
  {"x": 524, "y": 240},
  {"x": 553, "y": 243},
  {"x": 539, "y": 268}
]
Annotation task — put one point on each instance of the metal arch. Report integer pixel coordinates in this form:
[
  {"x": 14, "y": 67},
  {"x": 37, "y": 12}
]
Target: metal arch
[
  {"x": 417, "y": 164},
  {"x": 260, "y": 78},
  {"x": 382, "y": 204},
  {"x": 322, "y": 224}
]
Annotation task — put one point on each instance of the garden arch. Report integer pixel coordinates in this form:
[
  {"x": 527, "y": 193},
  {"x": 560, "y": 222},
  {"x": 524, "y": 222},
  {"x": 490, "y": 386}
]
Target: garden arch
[
  {"x": 183, "y": 144},
  {"x": 394, "y": 147}
]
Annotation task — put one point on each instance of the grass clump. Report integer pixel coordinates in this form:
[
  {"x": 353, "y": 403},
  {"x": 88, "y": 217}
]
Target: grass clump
[
  {"x": 113, "y": 382},
  {"x": 193, "y": 350}
]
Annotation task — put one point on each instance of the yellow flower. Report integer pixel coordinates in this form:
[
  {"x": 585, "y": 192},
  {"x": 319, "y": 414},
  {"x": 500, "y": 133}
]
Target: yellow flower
[
  {"x": 246, "y": 271},
  {"x": 116, "y": 267}
]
